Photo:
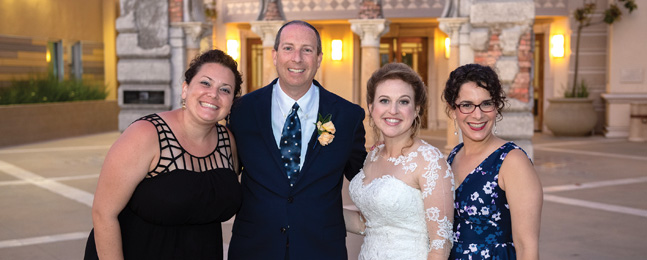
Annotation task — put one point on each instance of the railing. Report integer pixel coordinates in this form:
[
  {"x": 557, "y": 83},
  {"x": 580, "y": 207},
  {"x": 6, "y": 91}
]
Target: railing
[{"x": 248, "y": 10}]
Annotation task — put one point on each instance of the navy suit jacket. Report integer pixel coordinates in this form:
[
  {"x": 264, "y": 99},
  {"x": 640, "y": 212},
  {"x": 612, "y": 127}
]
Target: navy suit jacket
[{"x": 308, "y": 215}]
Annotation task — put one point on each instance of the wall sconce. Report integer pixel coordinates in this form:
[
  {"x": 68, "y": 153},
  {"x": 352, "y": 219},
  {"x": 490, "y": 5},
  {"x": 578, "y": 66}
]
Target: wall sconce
[
  {"x": 557, "y": 46},
  {"x": 336, "y": 52},
  {"x": 232, "y": 49},
  {"x": 447, "y": 47}
]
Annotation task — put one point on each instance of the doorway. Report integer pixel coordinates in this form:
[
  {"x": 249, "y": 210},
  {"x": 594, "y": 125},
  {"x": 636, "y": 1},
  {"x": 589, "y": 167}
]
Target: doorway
[
  {"x": 254, "y": 64},
  {"x": 408, "y": 50}
]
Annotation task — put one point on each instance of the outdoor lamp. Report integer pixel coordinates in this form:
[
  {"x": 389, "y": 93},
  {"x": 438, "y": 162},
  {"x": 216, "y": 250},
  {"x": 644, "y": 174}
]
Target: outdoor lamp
[
  {"x": 447, "y": 47},
  {"x": 336, "y": 52},
  {"x": 232, "y": 49},
  {"x": 557, "y": 46}
]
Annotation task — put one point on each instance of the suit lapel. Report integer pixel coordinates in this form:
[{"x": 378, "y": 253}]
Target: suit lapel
[
  {"x": 264, "y": 118},
  {"x": 326, "y": 106}
]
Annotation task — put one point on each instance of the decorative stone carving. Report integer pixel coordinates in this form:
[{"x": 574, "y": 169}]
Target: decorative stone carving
[
  {"x": 502, "y": 13},
  {"x": 272, "y": 11},
  {"x": 370, "y": 9},
  {"x": 143, "y": 50},
  {"x": 370, "y": 30},
  {"x": 479, "y": 38},
  {"x": 509, "y": 39},
  {"x": 507, "y": 67},
  {"x": 267, "y": 31},
  {"x": 193, "y": 31}
]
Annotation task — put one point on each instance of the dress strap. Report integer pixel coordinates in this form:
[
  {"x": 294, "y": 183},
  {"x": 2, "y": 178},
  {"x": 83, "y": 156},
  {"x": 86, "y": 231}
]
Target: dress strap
[
  {"x": 450, "y": 157},
  {"x": 170, "y": 148},
  {"x": 173, "y": 156}
]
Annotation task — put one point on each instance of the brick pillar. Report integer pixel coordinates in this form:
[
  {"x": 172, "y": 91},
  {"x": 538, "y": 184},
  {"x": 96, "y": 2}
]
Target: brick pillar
[
  {"x": 175, "y": 10},
  {"x": 501, "y": 38}
]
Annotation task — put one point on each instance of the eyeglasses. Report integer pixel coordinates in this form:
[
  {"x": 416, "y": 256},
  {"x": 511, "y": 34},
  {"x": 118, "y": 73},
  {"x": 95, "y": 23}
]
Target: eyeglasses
[{"x": 468, "y": 108}]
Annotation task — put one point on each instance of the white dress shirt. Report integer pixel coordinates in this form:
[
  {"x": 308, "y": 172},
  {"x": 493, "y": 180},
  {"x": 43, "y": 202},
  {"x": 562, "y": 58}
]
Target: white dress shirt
[{"x": 308, "y": 108}]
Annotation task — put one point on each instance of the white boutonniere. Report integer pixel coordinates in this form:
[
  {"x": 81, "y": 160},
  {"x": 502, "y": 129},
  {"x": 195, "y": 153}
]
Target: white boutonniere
[{"x": 325, "y": 129}]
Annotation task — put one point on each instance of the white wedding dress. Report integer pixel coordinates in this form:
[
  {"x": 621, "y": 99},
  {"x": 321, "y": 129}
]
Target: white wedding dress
[{"x": 404, "y": 222}]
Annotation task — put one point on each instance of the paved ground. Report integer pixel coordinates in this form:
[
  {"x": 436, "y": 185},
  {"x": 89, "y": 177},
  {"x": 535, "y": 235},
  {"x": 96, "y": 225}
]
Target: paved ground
[{"x": 595, "y": 197}]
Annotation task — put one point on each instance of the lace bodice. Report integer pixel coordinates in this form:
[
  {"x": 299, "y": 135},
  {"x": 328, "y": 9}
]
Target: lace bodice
[{"x": 404, "y": 221}]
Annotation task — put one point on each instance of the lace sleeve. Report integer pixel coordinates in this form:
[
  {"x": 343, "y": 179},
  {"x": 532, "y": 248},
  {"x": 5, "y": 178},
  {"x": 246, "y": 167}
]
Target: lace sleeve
[{"x": 437, "y": 185}]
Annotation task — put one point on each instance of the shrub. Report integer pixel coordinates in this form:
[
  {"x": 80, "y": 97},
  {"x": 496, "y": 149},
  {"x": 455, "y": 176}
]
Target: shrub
[{"x": 45, "y": 89}]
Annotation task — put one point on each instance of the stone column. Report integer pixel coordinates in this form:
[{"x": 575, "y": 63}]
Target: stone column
[
  {"x": 267, "y": 31},
  {"x": 501, "y": 38},
  {"x": 193, "y": 33},
  {"x": 143, "y": 69},
  {"x": 178, "y": 64},
  {"x": 452, "y": 27},
  {"x": 369, "y": 31}
]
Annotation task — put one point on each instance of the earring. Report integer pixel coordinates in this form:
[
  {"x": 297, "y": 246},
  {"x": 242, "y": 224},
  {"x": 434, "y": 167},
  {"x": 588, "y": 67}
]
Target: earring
[
  {"x": 495, "y": 132},
  {"x": 455, "y": 128},
  {"x": 183, "y": 103}
]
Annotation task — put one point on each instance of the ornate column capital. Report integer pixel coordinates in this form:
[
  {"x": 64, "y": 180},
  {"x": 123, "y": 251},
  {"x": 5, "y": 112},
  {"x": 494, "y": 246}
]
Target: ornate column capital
[
  {"x": 267, "y": 30},
  {"x": 370, "y": 30},
  {"x": 452, "y": 25},
  {"x": 194, "y": 31}
]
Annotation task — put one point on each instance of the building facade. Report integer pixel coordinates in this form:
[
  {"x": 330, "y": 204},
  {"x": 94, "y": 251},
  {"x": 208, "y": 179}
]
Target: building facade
[
  {"x": 68, "y": 38},
  {"x": 143, "y": 47}
]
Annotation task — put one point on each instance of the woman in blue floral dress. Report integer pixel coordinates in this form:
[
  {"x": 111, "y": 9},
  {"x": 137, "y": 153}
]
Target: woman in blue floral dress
[{"x": 498, "y": 195}]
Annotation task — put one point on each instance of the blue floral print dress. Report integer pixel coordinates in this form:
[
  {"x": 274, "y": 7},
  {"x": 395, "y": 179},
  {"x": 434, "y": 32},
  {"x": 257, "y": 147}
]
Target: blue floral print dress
[{"x": 482, "y": 225}]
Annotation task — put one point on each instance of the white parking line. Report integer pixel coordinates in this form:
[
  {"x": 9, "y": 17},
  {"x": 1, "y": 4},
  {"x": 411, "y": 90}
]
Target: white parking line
[
  {"x": 596, "y": 184},
  {"x": 69, "y": 192},
  {"x": 588, "y": 141},
  {"x": 64, "y": 178},
  {"x": 596, "y": 205},
  {"x": 55, "y": 149},
  {"x": 608, "y": 155},
  {"x": 43, "y": 239}
]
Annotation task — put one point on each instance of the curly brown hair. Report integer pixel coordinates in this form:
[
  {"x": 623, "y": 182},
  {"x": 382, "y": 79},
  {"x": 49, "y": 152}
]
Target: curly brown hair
[
  {"x": 215, "y": 56},
  {"x": 484, "y": 77}
]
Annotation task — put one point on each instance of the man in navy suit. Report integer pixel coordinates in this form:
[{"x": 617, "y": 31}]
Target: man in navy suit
[{"x": 294, "y": 216}]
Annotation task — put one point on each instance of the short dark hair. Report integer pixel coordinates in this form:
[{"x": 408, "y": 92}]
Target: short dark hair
[
  {"x": 484, "y": 77},
  {"x": 277, "y": 40},
  {"x": 405, "y": 73},
  {"x": 215, "y": 56}
]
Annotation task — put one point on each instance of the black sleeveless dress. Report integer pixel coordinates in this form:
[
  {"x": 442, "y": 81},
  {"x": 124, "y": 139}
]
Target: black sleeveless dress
[{"x": 177, "y": 210}]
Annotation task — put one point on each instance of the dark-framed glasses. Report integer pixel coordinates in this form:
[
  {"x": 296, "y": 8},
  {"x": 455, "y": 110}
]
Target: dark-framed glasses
[{"x": 468, "y": 108}]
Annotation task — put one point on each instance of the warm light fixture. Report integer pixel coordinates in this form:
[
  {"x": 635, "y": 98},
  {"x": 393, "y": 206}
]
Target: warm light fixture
[
  {"x": 336, "y": 52},
  {"x": 232, "y": 49},
  {"x": 447, "y": 47},
  {"x": 48, "y": 56},
  {"x": 557, "y": 46}
]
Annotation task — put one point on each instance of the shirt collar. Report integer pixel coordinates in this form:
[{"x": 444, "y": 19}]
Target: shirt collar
[{"x": 285, "y": 102}]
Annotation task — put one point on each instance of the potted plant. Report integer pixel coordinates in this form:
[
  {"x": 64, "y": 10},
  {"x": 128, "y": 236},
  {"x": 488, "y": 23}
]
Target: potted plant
[{"x": 574, "y": 115}]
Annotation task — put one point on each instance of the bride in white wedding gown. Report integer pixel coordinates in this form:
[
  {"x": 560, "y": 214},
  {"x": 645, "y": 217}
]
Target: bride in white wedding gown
[{"x": 405, "y": 190}]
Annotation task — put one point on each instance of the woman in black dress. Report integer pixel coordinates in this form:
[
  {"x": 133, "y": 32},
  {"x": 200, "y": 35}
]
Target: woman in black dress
[{"x": 169, "y": 180}]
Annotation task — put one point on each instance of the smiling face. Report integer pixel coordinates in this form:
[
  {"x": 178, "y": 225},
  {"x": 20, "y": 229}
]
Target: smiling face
[
  {"x": 296, "y": 58},
  {"x": 209, "y": 95},
  {"x": 476, "y": 126},
  {"x": 393, "y": 109}
]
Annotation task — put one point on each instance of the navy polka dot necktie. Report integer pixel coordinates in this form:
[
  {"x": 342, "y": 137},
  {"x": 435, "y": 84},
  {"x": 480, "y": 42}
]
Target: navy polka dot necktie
[{"x": 291, "y": 144}]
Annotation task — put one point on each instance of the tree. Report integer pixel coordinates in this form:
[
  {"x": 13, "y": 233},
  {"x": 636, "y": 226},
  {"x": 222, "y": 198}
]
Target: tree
[{"x": 583, "y": 17}]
